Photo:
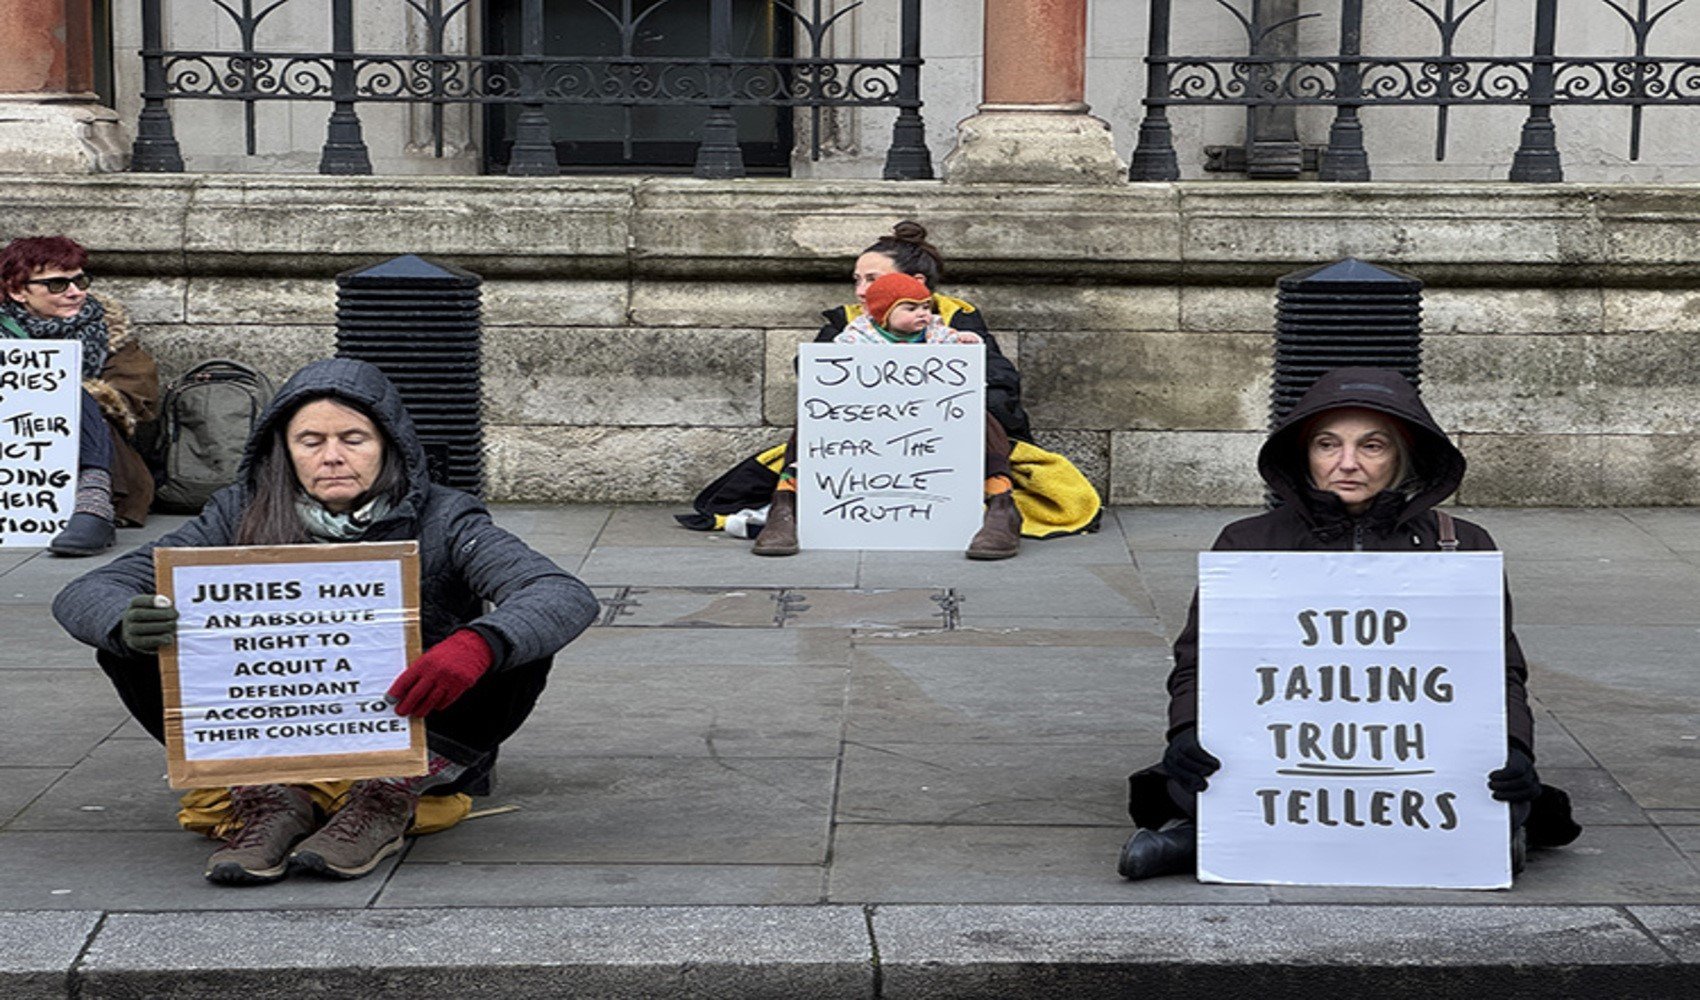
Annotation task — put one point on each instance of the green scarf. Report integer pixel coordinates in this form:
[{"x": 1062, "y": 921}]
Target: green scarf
[{"x": 325, "y": 526}]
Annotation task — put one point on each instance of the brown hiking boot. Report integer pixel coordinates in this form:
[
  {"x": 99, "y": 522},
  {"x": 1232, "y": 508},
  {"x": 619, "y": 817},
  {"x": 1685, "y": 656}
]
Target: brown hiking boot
[
  {"x": 274, "y": 818},
  {"x": 999, "y": 536},
  {"x": 371, "y": 825},
  {"x": 779, "y": 536}
]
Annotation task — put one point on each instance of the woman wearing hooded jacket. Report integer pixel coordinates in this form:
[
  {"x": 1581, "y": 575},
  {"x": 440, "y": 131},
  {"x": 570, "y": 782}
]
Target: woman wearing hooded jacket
[
  {"x": 335, "y": 459},
  {"x": 906, "y": 251},
  {"x": 44, "y": 296},
  {"x": 1358, "y": 465}
]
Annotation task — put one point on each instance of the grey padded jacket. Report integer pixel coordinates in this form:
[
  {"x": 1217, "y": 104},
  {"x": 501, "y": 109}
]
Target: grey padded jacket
[{"x": 464, "y": 559}]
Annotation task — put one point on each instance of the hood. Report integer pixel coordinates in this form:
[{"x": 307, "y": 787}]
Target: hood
[
  {"x": 350, "y": 381},
  {"x": 1438, "y": 464}
]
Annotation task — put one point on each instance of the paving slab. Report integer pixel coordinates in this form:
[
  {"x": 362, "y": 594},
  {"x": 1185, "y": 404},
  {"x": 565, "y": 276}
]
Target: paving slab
[
  {"x": 649, "y": 811},
  {"x": 37, "y": 951},
  {"x": 564, "y": 534},
  {"x": 1607, "y": 865},
  {"x": 971, "y": 785},
  {"x": 1049, "y": 633},
  {"x": 136, "y": 870},
  {"x": 885, "y": 863},
  {"x": 118, "y": 786},
  {"x": 429, "y": 884},
  {"x": 1603, "y": 591},
  {"x": 1548, "y": 534},
  {"x": 779, "y": 952},
  {"x": 991, "y": 590},
  {"x": 686, "y": 710},
  {"x": 1008, "y": 695},
  {"x": 719, "y": 565},
  {"x": 681, "y": 646},
  {"x": 19, "y": 786},
  {"x": 1184, "y": 529},
  {"x": 940, "y": 952},
  {"x": 1678, "y": 528},
  {"x": 55, "y": 717},
  {"x": 35, "y": 641}
]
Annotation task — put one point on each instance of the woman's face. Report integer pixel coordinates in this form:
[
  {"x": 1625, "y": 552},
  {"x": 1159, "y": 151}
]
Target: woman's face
[
  {"x": 1354, "y": 454},
  {"x": 36, "y": 297},
  {"x": 337, "y": 451},
  {"x": 869, "y": 267}
]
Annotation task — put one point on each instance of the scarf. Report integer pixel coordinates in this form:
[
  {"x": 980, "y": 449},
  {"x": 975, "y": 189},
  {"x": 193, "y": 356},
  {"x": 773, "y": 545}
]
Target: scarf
[
  {"x": 88, "y": 326},
  {"x": 326, "y": 526}
]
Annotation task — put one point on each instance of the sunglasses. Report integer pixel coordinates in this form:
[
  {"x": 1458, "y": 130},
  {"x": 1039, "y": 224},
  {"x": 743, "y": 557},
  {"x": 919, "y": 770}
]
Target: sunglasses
[{"x": 57, "y": 286}]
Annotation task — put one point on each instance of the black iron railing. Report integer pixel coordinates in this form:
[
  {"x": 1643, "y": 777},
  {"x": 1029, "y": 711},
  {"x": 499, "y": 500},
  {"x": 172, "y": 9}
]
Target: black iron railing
[
  {"x": 532, "y": 79},
  {"x": 1443, "y": 79}
]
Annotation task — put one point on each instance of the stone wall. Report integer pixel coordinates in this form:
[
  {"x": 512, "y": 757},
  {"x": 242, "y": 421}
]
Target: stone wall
[{"x": 639, "y": 332}]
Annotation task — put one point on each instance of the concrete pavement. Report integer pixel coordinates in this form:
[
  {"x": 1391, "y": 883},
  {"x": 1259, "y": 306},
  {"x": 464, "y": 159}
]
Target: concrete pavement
[{"x": 869, "y": 774}]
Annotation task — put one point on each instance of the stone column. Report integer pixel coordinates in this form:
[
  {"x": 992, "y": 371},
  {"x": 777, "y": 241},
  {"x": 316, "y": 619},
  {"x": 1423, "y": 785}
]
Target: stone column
[
  {"x": 50, "y": 119},
  {"x": 1033, "y": 126}
]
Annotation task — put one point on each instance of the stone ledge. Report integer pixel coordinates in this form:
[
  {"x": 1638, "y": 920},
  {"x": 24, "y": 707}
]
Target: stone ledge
[{"x": 939, "y": 952}]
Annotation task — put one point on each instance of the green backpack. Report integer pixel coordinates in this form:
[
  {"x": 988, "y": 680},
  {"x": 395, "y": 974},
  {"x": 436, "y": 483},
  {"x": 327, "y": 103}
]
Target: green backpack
[{"x": 204, "y": 423}]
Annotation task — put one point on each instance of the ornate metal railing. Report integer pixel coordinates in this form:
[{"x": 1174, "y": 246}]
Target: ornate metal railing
[
  {"x": 1445, "y": 79},
  {"x": 531, "y": 79}
]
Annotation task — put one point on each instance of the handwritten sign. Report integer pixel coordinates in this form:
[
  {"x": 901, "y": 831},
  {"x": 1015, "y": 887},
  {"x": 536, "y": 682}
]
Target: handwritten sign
[
  {"x": 1357, "y": 703},
  {"x": 40, "y": 402},
  {"x": 282, "y": 658},
  {"x": 890, "y": 445}
]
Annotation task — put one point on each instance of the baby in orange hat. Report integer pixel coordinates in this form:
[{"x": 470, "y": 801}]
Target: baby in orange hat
[{"x": 900, "y": 311}]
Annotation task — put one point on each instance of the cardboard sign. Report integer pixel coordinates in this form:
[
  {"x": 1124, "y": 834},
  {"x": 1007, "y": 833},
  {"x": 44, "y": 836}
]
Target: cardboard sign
[
  {"x": 41, "y": 401},
  {"x": 890, "y": 445},
  {"x": 1357, "y": 703},
  {"x": 282, "y": 658}
]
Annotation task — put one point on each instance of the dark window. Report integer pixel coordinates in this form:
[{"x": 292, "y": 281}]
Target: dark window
[
  {"x": 102, "y": 37},
  {"x": 644, "y": 138}
]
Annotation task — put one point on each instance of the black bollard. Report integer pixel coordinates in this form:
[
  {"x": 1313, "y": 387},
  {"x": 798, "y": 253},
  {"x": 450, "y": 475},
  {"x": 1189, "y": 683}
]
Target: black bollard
[
  {"x": 419, "y": 322},
  {"x": 1342, "y": 315}
]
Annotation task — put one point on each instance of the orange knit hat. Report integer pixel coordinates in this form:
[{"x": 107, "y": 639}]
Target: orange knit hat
[{"x": 890, "y": 289}]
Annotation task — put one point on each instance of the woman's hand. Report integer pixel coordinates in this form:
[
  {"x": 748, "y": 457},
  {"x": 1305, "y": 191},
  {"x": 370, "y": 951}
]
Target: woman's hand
[
  {"x": 1517, "y": 780},
  {"x": 1188, "y": 763},
  {"x": 968, "y": 337},
  {"x": 439, "y": 677},
  {"x": 149, "y": 623}
]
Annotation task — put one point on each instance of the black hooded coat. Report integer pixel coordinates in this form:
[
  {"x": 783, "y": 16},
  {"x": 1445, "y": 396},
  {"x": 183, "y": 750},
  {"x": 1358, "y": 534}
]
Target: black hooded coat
[
  {"x": 464, "y": 561},
  {"x": 1313, "y": 520}
]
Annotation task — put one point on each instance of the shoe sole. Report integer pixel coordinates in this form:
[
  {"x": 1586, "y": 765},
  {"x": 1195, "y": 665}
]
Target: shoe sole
[
  {"x": 988, "y": 556},
  {"x": 232, "y": 873},
  {"x": 777, "y": 552},
  {"x": 315, "y": 863}
]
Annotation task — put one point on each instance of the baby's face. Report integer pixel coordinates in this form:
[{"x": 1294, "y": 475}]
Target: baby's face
[{"x": 909, "y": 317}]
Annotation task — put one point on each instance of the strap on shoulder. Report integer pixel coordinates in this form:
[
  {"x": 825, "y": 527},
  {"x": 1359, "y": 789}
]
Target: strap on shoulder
[{"x": 1448, "y": 532}]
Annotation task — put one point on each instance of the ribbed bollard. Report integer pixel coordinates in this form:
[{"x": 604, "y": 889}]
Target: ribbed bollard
[
  {"x": 418, "y": 321},
  {"x": 1342, "y": 315}
]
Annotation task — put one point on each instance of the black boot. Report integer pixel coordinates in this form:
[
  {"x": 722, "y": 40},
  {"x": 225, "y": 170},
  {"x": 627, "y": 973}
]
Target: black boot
[
  {"x": 779, "y": 536},
  {"x": 1150, "y": 853},
  {"x": 85, "y": 535}
]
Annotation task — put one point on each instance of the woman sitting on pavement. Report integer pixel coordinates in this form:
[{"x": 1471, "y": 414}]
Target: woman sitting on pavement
[
  {"x": 907, "y": 252},
  {"x": 1358, "y": 465},
  {"x": 46, "y": 298},
  {"x": 335, "y": 459}
]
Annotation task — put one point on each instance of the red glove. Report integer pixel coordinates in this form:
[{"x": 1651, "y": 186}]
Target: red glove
[{"x": 440, "y": 676}]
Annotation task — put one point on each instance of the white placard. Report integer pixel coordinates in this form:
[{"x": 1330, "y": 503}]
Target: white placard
[
  {"x": 282, "y": 659},
  {"x": 890, "y": 445},
  {"x": 41, "y": 401},
  {"x": 1357, "y": 703}
]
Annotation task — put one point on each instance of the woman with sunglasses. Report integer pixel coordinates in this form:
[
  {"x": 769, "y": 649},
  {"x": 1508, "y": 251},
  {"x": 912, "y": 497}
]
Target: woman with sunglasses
[{"x": 44, "y": 296}]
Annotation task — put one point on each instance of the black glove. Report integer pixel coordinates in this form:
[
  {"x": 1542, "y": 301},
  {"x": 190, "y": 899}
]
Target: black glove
[
  {"x": 145, "y": 626},
  {"x": 1188, "y": 763},
  {"x": 1516, "y": 781}
]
